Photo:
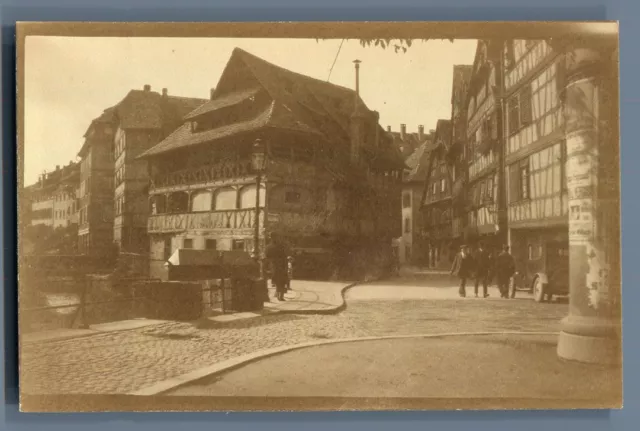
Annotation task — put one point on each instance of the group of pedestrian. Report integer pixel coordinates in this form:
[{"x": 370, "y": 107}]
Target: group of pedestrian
[{"x": 482, "y": 266}]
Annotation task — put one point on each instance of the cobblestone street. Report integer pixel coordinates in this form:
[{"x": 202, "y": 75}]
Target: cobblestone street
[{"x": 122, "y": 362}]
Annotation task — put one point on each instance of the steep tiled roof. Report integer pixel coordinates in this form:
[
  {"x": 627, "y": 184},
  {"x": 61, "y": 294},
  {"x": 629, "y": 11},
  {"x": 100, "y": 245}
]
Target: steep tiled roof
[
  {"x": 443, "y": 132},
  {"x": 183, "y": 137},
  {"x": 408, "y": 145},
  {"x": 141, "y": 109},
  {"x": 299, "y": 103},
  {"x": 418, "y": 162},
  {"x": 222, "y": 102}
]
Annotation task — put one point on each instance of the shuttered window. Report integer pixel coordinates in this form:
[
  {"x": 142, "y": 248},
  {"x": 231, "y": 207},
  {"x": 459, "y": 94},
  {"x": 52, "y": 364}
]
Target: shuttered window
[
  {"x": 526, "y": 111},
  {"x": 513, "y": 110},
  {"x": 514, "y": 182},
  {"x": 524, "y": 180}
]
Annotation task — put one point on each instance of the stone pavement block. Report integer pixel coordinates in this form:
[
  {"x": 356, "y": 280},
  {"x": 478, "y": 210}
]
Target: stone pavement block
[{"x": 126, "y": 361}]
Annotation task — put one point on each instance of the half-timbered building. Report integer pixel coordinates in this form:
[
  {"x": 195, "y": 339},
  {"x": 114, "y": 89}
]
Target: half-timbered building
[
  {"x": 456, "y": 152},
  {"x": 141, "y": 120},
  {"x": 484, "y": 151},
  {"x": 437, "y": 209},
  {"x": 413, "y": 244},
  {"x": 536, "y": 156},
  {"x": 331, "y": 185}
]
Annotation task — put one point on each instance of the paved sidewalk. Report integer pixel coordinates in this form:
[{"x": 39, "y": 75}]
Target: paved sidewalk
[
  {"x": 121, "y": 362},
  {"x": 305, "y": 297},
  {"x": 313, "y": 297},
  {"x": 474, "y": 367},
  {"x": 67, "y": 334}
]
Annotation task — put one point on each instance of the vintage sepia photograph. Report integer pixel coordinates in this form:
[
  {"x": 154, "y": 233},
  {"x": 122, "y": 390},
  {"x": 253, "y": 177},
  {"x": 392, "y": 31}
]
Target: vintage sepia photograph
[{"x": 318, "y": 216}]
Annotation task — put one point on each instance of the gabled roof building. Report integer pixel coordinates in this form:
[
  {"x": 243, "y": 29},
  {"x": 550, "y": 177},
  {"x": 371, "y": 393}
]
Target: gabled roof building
[
  {"x": 113, "y": 202},
  {"x": 330, "y": 184}
]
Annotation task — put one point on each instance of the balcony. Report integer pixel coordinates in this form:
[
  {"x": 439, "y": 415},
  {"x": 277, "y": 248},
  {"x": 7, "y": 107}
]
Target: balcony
[
  {"x": 203, "y": 175},
  {"x": 240, "y": 220}
]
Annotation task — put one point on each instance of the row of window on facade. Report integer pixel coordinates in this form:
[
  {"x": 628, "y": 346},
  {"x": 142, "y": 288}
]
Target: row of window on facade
[
  {"x": 538, "y": 175},
  {"x": 61, "y": 214},
  {"x": 542, "y": 174},
  {"x": 530, "y": 105},
  {"x": 207, "y": 200},
  {"x": 209, "y": 244}
]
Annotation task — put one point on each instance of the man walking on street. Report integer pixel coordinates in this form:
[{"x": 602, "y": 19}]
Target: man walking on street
[
  {"x": 276, "y": 254},
  {"x": 463, "y": 268},
  {"x": 483, "y": 267},
  {"x": 505, "y": 268}
]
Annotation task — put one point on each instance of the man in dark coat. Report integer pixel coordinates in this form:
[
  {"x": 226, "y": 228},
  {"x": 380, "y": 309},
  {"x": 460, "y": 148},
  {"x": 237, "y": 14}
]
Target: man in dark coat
[
  {"x": 505, "y": 268},
  {"x": 463, "y": 268},
  {"x": 483, "y": 262},
  {"x": 277, "y": 255}
]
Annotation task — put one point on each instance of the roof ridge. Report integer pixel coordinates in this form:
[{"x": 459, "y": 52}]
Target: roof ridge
[
  {"x": 187, "y": 97},
  {"x": 320, "y": 81}
]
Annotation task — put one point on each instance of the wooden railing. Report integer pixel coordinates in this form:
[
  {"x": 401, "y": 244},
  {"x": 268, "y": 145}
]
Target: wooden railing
[
  {"x": 203, "y": 175},
  {"x": 210, "y": 220}
]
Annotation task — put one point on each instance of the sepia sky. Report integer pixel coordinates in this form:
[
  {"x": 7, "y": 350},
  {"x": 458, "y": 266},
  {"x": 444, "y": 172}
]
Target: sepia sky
[{"x": 71, "y": 80}]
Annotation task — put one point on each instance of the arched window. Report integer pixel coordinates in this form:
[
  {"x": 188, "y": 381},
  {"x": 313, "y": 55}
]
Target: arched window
[
  {"x": 248, "y": 196},
  {"x": 201, "y": 201},
  {"x": 225, "y": 199}
]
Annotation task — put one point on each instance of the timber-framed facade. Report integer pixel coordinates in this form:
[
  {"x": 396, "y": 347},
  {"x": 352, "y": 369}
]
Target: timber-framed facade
[{"x": 332, "y": 181}]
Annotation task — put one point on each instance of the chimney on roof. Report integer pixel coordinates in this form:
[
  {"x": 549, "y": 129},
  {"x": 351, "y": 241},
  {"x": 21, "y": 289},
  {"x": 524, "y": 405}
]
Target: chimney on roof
[
  {"x": 421, "y": 133},
  {"x": 57, "y": 167},
  {"x": 211, "y": 92},
  {"x": 403, "y": 131},
  {"x": 147, "y": 87},
  {"x": 165, "y": 92},
  {"x": 357, "y": 101},
  {"x": 358, "y": 121},
  {"x": 389, "y": 129}
]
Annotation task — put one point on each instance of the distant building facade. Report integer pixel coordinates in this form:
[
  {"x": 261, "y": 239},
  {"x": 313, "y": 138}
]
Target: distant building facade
[
  {"x": 407, "y": 142},
  {"x": 413, "y": 248},
  {"x": 95, "y": 192},
  {"x": 456, "y": 154},
  {"x": 331, "y": 186},
  {"x": 141, "y": 120},
  {"x": 484, "y": 148},
  {"x": 53, "y": 198},
  {"x": 113, "y": 187},
  {"x": 437, "y": 207}
]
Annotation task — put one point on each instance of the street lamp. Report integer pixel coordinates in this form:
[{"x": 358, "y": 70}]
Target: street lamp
[{"x": 258, "y": 163}]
